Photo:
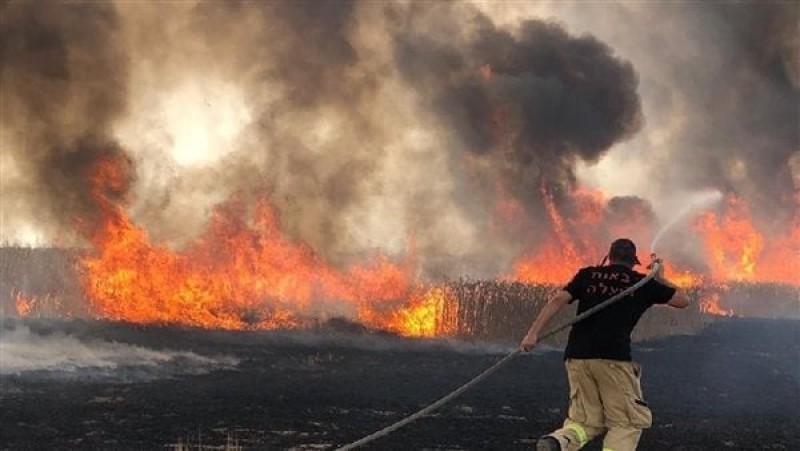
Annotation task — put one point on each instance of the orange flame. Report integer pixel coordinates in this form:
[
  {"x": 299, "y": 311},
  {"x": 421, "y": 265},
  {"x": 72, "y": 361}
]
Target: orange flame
[
  {"x": 45, "y": 306},
  {"x": 243, "y": 273},
  {"x": 734, "y": 247},
  {"x": 710, "y": 304},
  {"x": 737, "y": 250},
  {"x": 24, "y": 305},
  {"x": 731, "y": 242},
  {"x": 573, "y": 242},
  {"x": 682, "y": 278},
  {"x": 425, "y": 315}
]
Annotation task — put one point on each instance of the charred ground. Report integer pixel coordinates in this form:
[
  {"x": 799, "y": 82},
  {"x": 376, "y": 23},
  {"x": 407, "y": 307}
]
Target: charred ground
[{"x": 735, "y": 385}]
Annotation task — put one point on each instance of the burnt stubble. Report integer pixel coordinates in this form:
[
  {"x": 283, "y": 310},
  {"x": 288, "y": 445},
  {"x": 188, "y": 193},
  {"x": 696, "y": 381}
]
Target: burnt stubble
[{"x": 734, "y": 385}]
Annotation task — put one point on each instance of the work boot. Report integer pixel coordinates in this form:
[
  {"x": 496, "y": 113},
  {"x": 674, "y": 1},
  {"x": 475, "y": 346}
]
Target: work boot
[{"x": 548, "y": 443}]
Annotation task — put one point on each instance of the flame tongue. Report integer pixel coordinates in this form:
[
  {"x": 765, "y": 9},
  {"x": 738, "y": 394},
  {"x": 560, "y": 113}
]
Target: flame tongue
[
  {"x": 731, "y": 242},
  {"x": 236, "y": 276},
  {"x": 579, "y": 239},
  {"x": 711, "y": 304},
  {"x": 244, "y": 273},
  {"x": 241, "y": 274},
  {"x": 737, "y": 250}
]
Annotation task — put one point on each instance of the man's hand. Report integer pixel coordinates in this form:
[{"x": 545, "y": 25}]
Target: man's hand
[
  {"x": 529, "y": 342},
  {"x": 558, "y": 300},
  {"x": 680, "y": 299},
  {"x": 653, "y": 260}
]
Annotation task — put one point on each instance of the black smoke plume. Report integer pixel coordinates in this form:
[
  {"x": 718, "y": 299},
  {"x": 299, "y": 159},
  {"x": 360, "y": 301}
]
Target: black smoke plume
[
  {"x": 526, "y": 104},
  {"x": 298, "y": 65},
  {"x": 533, "y": 102},
  {"x": 744, "y": 110},
  {"x": 370, "y": 122},
  {"x": 63, "y": 85}
]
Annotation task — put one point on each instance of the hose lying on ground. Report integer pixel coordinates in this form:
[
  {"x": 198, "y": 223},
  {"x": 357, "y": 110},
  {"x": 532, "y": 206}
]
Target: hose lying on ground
[{"x": 455, "y": 393}]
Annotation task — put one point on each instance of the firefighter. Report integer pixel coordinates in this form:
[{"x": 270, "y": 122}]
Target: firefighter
[{"x": 605, "y": 393}]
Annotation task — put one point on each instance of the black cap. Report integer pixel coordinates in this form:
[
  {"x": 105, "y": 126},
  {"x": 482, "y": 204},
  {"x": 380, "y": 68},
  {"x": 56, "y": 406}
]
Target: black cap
[{"x": 623, "y": 250}]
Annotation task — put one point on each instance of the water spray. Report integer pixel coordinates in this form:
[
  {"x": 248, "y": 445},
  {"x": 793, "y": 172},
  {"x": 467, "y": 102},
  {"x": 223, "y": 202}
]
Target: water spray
[
  {"x": 654, "y": 268},
  {"x": 695, "y": 201}
]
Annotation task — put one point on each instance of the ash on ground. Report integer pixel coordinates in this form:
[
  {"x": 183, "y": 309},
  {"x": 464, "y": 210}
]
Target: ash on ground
[{"x": 734, "y": 385}]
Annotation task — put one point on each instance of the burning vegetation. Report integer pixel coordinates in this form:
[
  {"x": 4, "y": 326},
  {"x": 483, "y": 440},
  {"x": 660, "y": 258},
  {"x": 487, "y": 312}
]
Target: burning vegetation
[
  {"x": 260, "y": 194},
  {"x": 243, "y": 272}
]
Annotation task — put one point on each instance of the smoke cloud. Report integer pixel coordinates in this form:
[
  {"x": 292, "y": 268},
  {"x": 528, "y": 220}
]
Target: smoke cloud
[
  {"x": 745, "y": 111},
  {"x": 368, "y": 123},
  {"x": 719, "y": 85},
  {"x": 535, "y": 101},
  {"x": 64, "y": 84},
  {"x": 57, "y": 354},
  {"x": 336, "y": 136}
]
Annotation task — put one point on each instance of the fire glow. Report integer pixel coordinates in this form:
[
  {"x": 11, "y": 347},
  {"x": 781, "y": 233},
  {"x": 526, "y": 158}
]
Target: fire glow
[
  {"x": 711, "y": 305},
  {"x": 736, "y": 250},
  {"x": 243, "y": 272},
  {"x": 24, "y": 305},
  {"x": 574, "y": 242}
]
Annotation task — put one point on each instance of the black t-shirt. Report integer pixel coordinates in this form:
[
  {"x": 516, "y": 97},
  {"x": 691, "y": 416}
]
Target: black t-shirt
[{"x": 607, "y": 333}]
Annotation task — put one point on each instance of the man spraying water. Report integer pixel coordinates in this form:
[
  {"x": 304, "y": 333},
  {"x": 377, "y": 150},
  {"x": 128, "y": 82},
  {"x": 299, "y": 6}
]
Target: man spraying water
[{"x": 605, "y": 393}]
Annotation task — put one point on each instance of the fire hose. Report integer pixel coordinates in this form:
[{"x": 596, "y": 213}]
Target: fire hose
[{"x": 486, "y": 373}]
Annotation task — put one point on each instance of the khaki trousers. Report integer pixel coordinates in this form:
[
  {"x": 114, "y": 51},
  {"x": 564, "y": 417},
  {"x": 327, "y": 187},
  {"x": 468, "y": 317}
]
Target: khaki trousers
[{"x": 605, "y": 396}]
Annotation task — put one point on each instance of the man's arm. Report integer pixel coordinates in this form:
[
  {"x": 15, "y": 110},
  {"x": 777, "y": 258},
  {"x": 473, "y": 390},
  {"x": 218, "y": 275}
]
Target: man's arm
[
  {"x": 554, "y": 304},
  {"x": 678, "y": 300}
]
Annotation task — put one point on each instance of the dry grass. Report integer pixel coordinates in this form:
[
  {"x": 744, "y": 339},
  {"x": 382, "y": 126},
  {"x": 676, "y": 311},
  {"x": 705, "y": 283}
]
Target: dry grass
[
  {"x": 45, "y": 274},
  {"x": 502, "y": 312}
]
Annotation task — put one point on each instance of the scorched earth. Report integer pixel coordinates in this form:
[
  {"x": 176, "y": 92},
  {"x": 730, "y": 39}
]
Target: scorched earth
[{"x": 734, "y": 385}]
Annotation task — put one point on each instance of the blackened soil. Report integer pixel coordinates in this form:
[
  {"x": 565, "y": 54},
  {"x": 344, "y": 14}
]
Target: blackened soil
[{"x": 736, "y": 385}]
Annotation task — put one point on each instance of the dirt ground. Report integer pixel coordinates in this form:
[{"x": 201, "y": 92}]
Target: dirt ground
[{"x": 735, "y": 385}]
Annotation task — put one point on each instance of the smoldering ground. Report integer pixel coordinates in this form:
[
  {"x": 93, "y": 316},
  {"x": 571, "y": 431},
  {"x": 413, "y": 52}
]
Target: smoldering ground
[
  {"x": 88, "y": 351},
  {"x": 287, "y": 393},
  {"x": 55, "y": 350},
  {"x": 79, "y": 352}
]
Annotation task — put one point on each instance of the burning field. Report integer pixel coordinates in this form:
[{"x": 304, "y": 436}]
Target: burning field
[
  {"x": 285, "y": 224},
  {"x": 715, "y": 379}
]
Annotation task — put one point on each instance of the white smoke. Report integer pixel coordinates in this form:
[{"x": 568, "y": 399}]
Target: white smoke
[{"x": 23, "y": 350}]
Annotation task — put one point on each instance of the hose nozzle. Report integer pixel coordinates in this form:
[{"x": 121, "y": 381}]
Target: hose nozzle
[{"x": 653, "y": 259}]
